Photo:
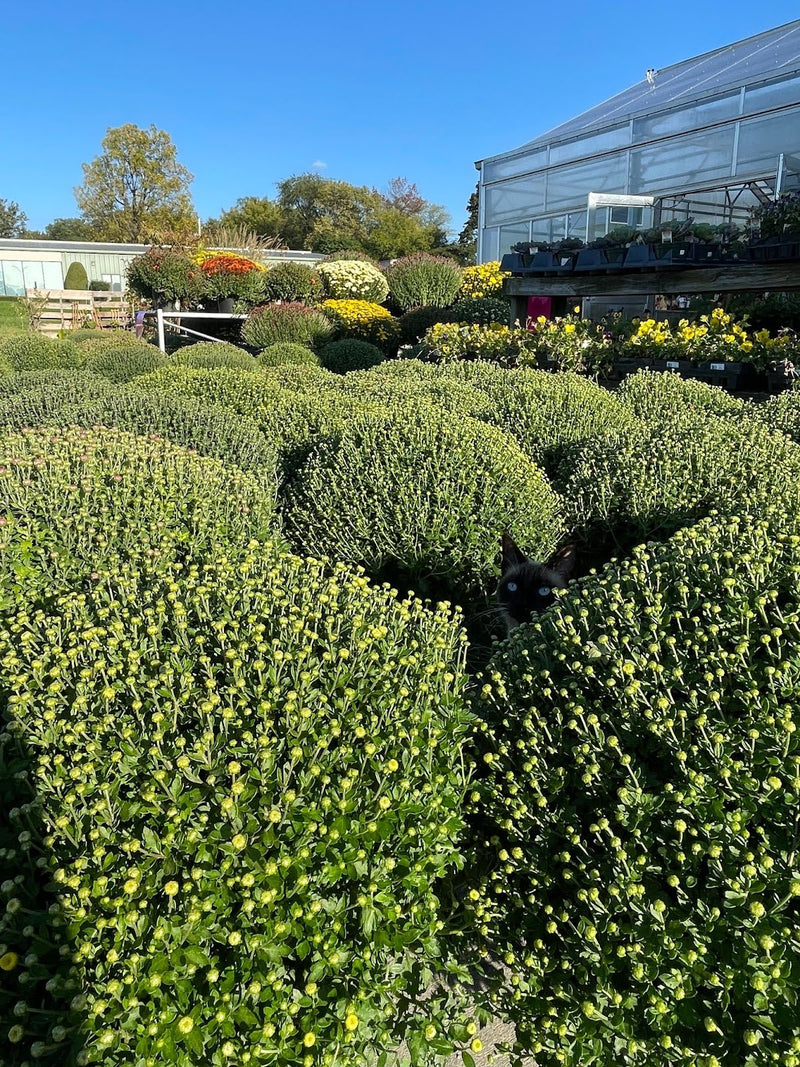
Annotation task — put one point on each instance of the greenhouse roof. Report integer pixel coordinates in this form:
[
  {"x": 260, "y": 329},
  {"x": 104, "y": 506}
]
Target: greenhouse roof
[{"x": 765, "y": 56}]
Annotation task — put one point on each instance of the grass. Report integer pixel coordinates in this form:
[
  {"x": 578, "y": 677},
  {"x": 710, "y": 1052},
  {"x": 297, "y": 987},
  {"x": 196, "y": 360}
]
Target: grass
[{"x": 12, "y": 317}]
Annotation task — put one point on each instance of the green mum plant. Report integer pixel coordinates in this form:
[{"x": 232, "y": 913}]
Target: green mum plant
[
  {"x": 639, "y": 793},
  {"x": 235, "y": 783}
]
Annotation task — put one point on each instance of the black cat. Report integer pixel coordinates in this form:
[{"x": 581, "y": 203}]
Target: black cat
[{"x": 526, "y": 587}]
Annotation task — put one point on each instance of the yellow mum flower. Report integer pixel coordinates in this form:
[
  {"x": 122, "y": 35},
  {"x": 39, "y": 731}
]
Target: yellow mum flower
[{"x": 351, "y": 1022}]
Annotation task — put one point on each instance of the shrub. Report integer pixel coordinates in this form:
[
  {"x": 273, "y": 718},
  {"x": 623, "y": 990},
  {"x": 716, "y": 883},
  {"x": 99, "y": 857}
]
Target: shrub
[
  {"x": 228, "y": 275},
  {"x": 32, "y": 351},
  {"x": 636, "y": 816},
  {"x": 85, "y": 339},
  {"x": 363, "y": 320},
  {"x": 91, "y": 496},
  {"x": 164, "y": 275},
  {"x": 350, "y": 255},
  {"x": 350, "y": 354},
  {"x": 780, "y": 413},
  {"x": 76, "y": 277},
  {"x": 353, "y": 280},
  {"x": 657, "y": 477},
  {"x": 96, "y": 285},
  {"x": 42, "y": 398},
  {"x": 248, "y": 733},
  {"x": 420, "y": 497},
  {"x": 486, "y": 279},
  {"x": 287, "y": 352},
  {"x": 483, "y": 310},
  {"x": 208, "y": 429},
  {"x": 122, "y": 362},
  {"x": 302, "y": 377},
  {"x": 294, "y": 322},
  {"x": 652, "y": 395},
  {"x": 214, "y": 354},
  {"x": 292, "y": 282},
  {"x": 415, "y": 322},
  {"x": 421, "y": 279},
  {"x": 503, "y": 345}
]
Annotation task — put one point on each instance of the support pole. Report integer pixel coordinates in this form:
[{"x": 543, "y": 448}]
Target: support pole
[{"x": 160, "y": 327}]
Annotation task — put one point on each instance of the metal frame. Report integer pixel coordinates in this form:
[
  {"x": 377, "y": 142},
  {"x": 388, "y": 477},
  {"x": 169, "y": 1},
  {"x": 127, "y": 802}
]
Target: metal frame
[{"x": 162, "y": 318}]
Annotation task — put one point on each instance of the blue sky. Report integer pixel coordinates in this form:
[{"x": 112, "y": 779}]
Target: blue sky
[{"x": 254, "y": 91}]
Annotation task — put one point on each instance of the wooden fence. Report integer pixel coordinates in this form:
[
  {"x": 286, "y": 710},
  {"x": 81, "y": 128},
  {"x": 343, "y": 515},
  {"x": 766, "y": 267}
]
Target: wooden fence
[{"x": 53, "y": 310}]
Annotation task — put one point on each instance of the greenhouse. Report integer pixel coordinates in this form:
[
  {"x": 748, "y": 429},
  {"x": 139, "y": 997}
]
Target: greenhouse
[{"x": 706, "y": 139}]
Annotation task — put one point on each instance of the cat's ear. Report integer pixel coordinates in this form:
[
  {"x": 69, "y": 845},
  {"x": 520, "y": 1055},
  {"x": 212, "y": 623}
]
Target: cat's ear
[
  {"x": 512, "y": 555},
  {"x": 563, "y": 562}
]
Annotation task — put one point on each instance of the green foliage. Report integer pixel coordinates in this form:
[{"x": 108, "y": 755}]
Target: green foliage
[
  {"x": 98, "y": 286},
  {"x": 87, "y": 340},
  {"x": 414, "y": 323},
  {"x": 164, "y": 275},
  {"x": 659, "y": 395},
  {"x": 76, "y": 277},
  {"x": 636, "y": 816},
  {"x": 483, "y": 310},
  {"x": 13, "y": 220},
  {"x": 287, "y": 352},
  {"x": 661, "y": 475},
  {"x": 294, "y": 322},
  {"x": 353, "y": 280},
  {"x": 249, "y": 733},
  {"x": 421, "y": 279},
  {"x": 350, "y": 354},
  {"x": 292, "y": 282},
  {"x": 122, "y": 362},
  {"x": 214, "y": 354},
  {"x": 302, "y": 377},
  {"x": 420, "y": 497},
  {"x": 780, "y": 413},
  {"x": 448, "y": 342},
  {"x": 135, "y": 190},
  {"x": 45, "y": 397},
  {"x": 32, "y": 351}
]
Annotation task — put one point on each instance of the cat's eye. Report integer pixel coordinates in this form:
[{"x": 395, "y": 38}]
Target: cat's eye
[
  {"x": 511, "y": 587},
  {"x": 545, "y": 590}
]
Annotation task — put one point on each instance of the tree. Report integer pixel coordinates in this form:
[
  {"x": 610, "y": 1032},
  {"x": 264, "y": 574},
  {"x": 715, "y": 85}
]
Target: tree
[
  {"x": 69, "y": 230},
  {"x": 469, "y": 234},
  {"x": 136, "y": 190},
  {"x": 13, "y": 220},
  {"x": 256, "y": 214},
  {"x": 325, "y": 215}
]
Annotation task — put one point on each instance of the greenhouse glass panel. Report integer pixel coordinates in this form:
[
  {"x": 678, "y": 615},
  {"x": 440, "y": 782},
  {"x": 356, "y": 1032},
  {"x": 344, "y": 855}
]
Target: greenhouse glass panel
[
  {"x": 762, "y": 140},
  {"x": 12, "y": 277},
  {"x": 511, "y": 235},
  {"x": 514, "y": 200},
  {"x": 53, "y": 278},
  {"x": 510, "y": 168},
  {"x": 775, "y": 94},
  {"x": 691, "y": 117},
  {"x": 688, "y": 160},
  {"x": 576, "y": 224},
  {"x": 489, "y": 245},
  {"x": 33, "y": 274},
  {"x": 619, "y": 137},
  {"x": 568, "y": 187},
  {"x": 540, "y": 230}
]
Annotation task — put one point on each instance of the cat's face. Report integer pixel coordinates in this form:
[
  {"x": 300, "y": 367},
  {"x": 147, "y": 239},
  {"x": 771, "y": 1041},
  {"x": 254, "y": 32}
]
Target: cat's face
[{"x": 526, "y": 586}]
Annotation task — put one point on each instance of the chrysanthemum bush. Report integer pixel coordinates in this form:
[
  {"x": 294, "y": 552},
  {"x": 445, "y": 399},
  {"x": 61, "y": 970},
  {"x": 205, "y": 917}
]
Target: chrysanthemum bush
[
  {"x": 32, "y": 351},
  {"x": 640, "y": 784},
  {"x": 422, "y": 279},
  {"x": 226, "y": 274},
  {"x": 574, "y": 343},
  {"x": 247, "y": 786},
  {"x": 364, "y": 321},
  {"x": 121, "y": 363},
  {"x": 345, "y": 279},
  {"x": 485, "y": 279},
  {"x": 350, "y": 354},
  {"x": 214, "y": 354},
  {"x": 420, "y": 497},
  {"x": 293, "y": 322},
  {"x": 449, "y": 341},
  {"x": 658, "y": 395},
  {"x": 483, "y": 310},
  {"x": 780, "y": 413},
  {"x": 284, "y": 353},
  {"x": 671, "y": 471}
]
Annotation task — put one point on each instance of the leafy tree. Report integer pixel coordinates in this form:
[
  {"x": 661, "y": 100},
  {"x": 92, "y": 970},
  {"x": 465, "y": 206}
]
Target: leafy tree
[
  {"x": 13, "y": 219},
  {"x": 136, "y": 190},
  {"x": 324, "y": 215},
  {"x": 255, "y": 214},
  {"x": 74, "y": 229}
]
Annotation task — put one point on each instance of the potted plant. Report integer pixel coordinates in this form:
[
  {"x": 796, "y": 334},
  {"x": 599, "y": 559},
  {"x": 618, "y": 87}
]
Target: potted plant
[
  {"x": 606, "y": 252},
  {"x": 229, "y": 278},
  {"x": 167, "y": 277},
  {"x": 774, "y": 228}
]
